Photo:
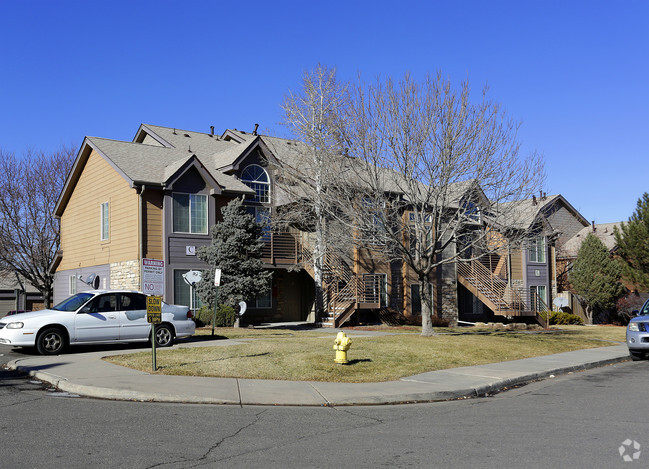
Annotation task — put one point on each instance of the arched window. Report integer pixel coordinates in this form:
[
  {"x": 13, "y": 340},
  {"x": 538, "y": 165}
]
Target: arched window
[{"x": 257, "y": 179}]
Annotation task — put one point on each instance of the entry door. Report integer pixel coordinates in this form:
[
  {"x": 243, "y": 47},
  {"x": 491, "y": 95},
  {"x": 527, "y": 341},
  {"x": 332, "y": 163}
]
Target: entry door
[{"x": 98, "y": 321}]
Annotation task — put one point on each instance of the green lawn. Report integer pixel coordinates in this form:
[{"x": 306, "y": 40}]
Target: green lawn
[{"x": 308, "y": 355}]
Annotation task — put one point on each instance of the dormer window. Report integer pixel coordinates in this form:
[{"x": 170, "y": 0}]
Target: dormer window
[
  {"x": 256, "y": 177},
  {"x": 471, "y": 211}
]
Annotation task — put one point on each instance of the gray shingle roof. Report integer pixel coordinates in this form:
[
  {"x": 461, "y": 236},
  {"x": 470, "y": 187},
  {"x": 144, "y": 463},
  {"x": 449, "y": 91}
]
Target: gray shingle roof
[
  {"x": 291, "y": 152},
  {"x": 155, "y": 164},
  {"x": 201, "y": 144},
  {"x": 604, "y": 231},
  {"x": 522, "y": 214},
  {"x": 213, "y": 151}
]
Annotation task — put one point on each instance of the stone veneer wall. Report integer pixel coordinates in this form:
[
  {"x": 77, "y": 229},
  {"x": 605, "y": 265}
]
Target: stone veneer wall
[
  {"x": 125, "y": 275},
  {"x": 448, "y": 289}
]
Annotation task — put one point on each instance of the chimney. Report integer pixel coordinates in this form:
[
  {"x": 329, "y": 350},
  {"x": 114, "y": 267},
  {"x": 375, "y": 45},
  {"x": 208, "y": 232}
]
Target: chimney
[
  {"x": 254, "y": 132},
  {"x": 533, "y": 200},
  {"x": 593, "y": 224},
  {"x": 212, "y": 130}
]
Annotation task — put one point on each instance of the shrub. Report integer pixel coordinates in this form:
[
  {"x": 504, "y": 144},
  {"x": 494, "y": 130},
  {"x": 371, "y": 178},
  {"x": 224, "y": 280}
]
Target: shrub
[
  {"x": 439, "y": 322},
  {"x": 562, "y": 318},
  {"x": 225, "y": 316}
]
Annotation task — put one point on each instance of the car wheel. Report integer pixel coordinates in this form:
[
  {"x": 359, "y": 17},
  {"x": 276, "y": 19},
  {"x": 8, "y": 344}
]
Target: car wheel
[
  {"x": 50, "y": 341},
  {"x": 636, "y": 356},
  {"x": 164, "y": 336}
]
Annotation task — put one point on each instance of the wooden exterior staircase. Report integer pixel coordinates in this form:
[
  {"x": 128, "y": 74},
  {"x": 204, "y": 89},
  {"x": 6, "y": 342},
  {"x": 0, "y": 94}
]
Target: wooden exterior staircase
[
  {"x": 344, "y": 290},
  {"x": 496, "y": 292}
]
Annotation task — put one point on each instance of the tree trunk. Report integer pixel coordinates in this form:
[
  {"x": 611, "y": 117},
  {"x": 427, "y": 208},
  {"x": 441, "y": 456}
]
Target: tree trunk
[
  {"x": 46, "y": 298},
  {"x": 318, "y": 270},
  {"x": 425, "y": 293}
]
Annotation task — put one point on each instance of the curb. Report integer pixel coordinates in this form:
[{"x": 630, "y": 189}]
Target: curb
[{"x": 96, "y": 392}]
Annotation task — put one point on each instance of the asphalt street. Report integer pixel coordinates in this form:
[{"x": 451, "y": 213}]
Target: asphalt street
[{"x": 575, "y": 420}]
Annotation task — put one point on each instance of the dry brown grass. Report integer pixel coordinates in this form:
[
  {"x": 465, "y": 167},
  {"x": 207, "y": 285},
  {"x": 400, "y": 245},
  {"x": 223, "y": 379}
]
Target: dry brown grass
[{"x": 308, "y": 356}]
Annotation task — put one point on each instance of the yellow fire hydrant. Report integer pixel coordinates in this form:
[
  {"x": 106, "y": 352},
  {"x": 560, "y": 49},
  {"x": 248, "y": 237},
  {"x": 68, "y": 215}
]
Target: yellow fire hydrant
[{"x": 341, "y": 345}]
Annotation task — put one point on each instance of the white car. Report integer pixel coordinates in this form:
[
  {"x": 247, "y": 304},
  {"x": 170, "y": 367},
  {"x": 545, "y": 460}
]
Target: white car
[{"x": 94, "y": 317}]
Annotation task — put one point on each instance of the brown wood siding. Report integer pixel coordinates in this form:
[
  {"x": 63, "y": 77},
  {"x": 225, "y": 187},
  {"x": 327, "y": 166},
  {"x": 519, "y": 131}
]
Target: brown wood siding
[
  {"x": 80, "y": 222},
  {"x": 371, "y": 261},
  {"x": 517, "y": 264},
  {"x": 153, "y": 245}
]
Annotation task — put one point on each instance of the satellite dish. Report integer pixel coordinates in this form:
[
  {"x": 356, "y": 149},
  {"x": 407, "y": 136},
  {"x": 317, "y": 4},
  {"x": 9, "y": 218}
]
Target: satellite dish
[
  {"x": 92, "y": 280},
  {"x": 192, "y": 277}
]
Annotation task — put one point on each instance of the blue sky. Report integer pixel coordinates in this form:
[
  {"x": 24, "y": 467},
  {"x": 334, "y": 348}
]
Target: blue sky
[{"x": 575, "y": 73}]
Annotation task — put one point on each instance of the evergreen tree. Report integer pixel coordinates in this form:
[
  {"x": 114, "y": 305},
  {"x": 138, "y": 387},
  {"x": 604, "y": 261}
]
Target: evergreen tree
[
  {"x": 595, "y": 277},
  {"x": 236, "y": 249},
  {"x": 633, "y": 244}
]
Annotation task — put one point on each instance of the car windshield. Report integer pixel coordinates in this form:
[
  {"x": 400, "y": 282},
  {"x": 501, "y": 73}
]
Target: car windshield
[
  {"x": 74, "y": 302},
  {"x": 645, "y": 309}
]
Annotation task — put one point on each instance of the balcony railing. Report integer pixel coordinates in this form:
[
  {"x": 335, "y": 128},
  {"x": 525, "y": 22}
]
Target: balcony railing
[{"x": 281, "y": 248}]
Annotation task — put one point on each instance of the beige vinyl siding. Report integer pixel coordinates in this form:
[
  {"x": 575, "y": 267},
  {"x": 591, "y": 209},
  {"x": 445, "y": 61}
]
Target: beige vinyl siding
[
  {"x": 153, "y": 224},
  {"x": 81, "y": 220}
]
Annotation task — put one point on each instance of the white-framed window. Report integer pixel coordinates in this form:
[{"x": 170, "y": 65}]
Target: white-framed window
[
  {"x": 189, "y": 213},
  {"x": 263, "y": 300},
  {"x": 256, "y": 177},
  {"x": 471, "y": 210},
  {"x": 427, "y": 219},
  {"x": 261, "y": 216},
  {"x": 537, "y": 250},
  {"x": 375, "y": 289},
  {"x": 183, "y": 292},
  {"x": 104, "y": 224},
  {"x": 375, "y": 229},
  {"x": 72, "y": 289},
  {"x": 538, "y": 292}
]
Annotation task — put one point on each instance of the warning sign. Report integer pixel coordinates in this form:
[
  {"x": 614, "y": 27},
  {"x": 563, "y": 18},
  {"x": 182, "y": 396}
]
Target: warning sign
[
  {"x": 154, "y": 309},
  {"x": 153, "y": 275}
]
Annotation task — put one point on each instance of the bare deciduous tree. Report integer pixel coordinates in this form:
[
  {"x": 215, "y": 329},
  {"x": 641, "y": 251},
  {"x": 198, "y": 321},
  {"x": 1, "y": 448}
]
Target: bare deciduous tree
[
  {"x": 430, "y": 165},
  {"x": 312, "y": 115},
  {"x": 419, "y": 172},
  {"x": 29, "y": 233}
]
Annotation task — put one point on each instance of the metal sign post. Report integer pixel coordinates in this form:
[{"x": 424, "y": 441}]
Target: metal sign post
[
  {"x": 153, "y": 316},
  {"x": 154, "y": 365},
  {"x": 217, "y": 284}
]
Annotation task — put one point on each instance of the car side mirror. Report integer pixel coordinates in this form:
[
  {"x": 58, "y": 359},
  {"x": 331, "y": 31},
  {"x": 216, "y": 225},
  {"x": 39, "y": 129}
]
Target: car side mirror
[{"x": 85, "y": 309}]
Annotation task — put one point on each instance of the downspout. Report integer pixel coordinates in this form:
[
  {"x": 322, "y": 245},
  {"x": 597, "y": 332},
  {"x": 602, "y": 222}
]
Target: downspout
[
  {"x": 552, "y": 269},
  {"x": 141, "y": 227},
  {"x": 509, "y": 266}
]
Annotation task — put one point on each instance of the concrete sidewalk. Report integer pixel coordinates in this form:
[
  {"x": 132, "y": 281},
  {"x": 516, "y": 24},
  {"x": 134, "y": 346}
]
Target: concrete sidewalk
[{"x": 86, "y": 374}]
